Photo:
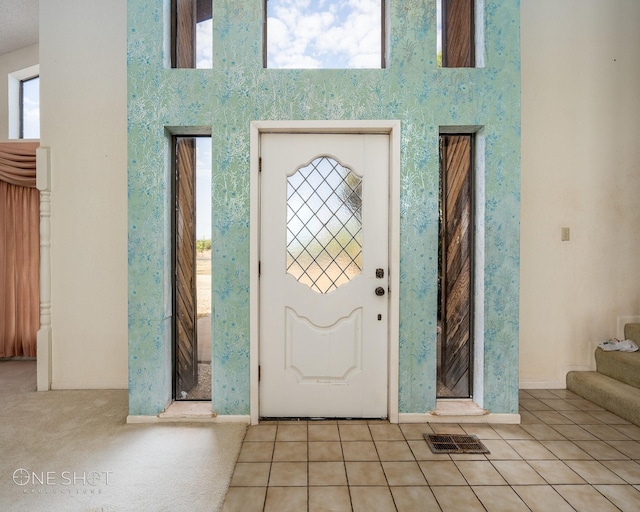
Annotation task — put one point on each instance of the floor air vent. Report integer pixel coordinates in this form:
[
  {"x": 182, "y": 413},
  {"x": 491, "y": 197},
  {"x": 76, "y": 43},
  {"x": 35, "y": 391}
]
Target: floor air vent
[{"x": 454, "y": 443}]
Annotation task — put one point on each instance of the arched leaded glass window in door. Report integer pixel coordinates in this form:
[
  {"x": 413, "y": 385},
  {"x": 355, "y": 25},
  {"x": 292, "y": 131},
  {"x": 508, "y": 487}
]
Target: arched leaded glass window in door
[{"x": 324, "y": 224}]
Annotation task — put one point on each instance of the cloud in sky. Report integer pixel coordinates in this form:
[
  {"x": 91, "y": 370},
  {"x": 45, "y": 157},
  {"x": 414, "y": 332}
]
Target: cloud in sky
[
  {"x": 324, "y": 34},
  {"x": 439, "y": 18},
  {"x": 203, "y": 187},
  {"x": 31, "y": 108},
  {"x": 204, "y": 44}
]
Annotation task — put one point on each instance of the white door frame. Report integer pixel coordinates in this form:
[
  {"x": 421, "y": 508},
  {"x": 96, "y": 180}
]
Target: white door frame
[{"x": 390, "y": 127}]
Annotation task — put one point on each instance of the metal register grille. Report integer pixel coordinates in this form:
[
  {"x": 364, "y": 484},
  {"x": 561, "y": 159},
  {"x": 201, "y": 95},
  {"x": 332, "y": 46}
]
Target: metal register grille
[{"x": 454, "y": 443}]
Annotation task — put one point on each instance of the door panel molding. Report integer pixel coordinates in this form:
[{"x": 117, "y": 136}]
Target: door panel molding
[
  {"x": 302, "y": 334},
  {"x": 392, "y": 129}
]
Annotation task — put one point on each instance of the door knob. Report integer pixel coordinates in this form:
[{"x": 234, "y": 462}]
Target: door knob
[{"x": 379, "y": 291}]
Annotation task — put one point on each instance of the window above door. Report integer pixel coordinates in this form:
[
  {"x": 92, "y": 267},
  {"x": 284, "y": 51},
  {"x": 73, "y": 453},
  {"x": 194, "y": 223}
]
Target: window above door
[
  {"x": 191, "y": 34},
  {"x": 334, "y": 34},
  {"x": 24, "y": 103}
]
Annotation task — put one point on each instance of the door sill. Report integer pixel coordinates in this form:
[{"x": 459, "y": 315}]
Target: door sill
[
  {"x": 458, "y": 407},
  {"x": 179, "y": 412},
  {"x": 459, "y": 411},
  {"x": 188, "y": 410}
]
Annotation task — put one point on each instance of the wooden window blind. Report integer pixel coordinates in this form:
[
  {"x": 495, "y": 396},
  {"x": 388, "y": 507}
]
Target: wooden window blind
[{"x": 458, "y": 34}]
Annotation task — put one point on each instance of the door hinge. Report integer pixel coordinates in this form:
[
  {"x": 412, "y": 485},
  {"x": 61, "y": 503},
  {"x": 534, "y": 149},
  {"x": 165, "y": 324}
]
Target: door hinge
[
  {"x": 260, "y": 164},
  {"x": 259, "y": 268},
  {"x": 259, "y": 372}
]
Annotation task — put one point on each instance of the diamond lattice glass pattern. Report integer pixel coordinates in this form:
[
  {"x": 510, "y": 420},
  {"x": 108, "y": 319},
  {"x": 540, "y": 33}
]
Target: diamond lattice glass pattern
[{"x": 324, "y": 225}]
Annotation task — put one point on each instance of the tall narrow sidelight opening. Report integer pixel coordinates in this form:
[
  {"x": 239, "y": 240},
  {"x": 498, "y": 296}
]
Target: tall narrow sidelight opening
[
  {"x": 455, "y": 267},
  {"x": 191, "y": 268}
]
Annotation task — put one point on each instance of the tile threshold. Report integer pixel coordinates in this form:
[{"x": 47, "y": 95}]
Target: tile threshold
[
  {"x": 457, "y": 407},
  {"x": 190, "y": 410},
  {"x": 185, "y": 412}
]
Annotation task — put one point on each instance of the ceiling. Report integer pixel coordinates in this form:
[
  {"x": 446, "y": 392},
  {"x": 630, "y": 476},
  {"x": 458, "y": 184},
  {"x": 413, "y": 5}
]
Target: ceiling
[{"x": 18, "y": 24}]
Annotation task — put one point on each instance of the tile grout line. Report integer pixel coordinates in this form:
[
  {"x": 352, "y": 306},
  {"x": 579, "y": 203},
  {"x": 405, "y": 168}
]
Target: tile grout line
[
  {"x": 344, "y": 464},
  {"x": 266, "y": 491},
  {"x": 308, "y": 469}
]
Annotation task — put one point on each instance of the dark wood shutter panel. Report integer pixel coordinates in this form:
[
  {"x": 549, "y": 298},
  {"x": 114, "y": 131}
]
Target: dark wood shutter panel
[
  {"x": 458, "y": 33},
  {"x": 185, "y": 308},
  {"x": 186, "y": 33},
  {"x": 457, "y": 245}
]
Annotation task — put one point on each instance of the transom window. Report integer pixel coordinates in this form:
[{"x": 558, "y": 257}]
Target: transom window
[
  {"x": 457, "y": 33},
  {"x": 192, "y": 34},
  {"x": 326, "y": 34},
  {"x": 23, "y": 93},
  {"x": 30, "y": 108},
  {"x": 324, "y": 225}
]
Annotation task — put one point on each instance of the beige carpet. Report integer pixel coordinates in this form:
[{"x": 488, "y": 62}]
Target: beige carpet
[{"x": 72, "y": 451}]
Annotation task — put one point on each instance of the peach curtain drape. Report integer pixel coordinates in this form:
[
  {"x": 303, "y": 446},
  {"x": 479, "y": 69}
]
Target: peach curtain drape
[{"x": 19, "y": 250}]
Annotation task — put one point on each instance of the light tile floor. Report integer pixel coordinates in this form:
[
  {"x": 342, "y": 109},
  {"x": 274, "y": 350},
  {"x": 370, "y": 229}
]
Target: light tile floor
[{"x": 567, "y": 454}]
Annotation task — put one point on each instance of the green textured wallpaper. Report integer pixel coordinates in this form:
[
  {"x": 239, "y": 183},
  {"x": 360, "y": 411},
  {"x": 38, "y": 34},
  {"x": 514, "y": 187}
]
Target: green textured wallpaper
[{"x": 236, "y": 91}]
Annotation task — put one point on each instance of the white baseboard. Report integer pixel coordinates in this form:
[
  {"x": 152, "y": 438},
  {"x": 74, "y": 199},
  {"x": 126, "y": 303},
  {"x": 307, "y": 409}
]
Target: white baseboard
[
  {"x": 490, "y": 418},
  {"x": 137, "y": 419},
  {"x": 87, "y": 386},
  {"x": 234, "y": 418},
  {"x": 543, "y": 384}
]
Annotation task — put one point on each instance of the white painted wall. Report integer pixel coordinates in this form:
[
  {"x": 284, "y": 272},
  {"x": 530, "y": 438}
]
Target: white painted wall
[
  {"x": 11, "y": 63},
  {"x": 83, "y": 102},
  {"x": 580, "y": 169}
]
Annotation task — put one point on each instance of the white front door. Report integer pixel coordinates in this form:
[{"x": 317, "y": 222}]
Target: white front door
[{"x": 324, "y": 250}]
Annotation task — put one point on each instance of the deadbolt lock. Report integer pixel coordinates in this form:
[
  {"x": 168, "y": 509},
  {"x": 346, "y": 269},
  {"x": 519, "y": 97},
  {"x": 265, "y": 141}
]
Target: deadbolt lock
[{"x": 379, "y": 273}]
